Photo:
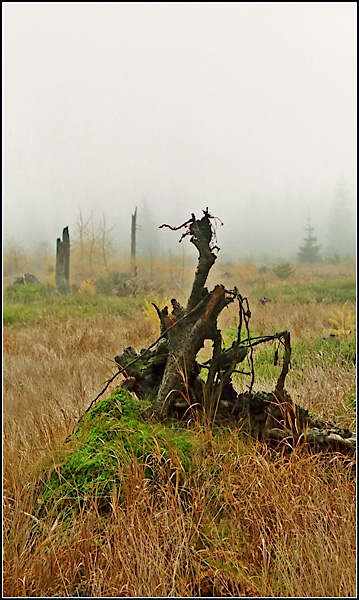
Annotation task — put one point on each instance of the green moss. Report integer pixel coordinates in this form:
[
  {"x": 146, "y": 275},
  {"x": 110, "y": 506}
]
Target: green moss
[{"x": 108, "y": 438}]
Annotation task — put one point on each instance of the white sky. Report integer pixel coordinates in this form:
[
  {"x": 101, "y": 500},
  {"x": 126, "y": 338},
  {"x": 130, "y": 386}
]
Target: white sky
[{"x": 248, "y": 108}]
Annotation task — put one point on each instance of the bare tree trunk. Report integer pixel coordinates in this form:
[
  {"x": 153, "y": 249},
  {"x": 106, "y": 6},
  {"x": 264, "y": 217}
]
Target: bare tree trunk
[
  {"x": 92, "y": 242},
  {"x": 133, "y": 243},
  {"x": 63, "y": 263},
  {"x": 83, "y": 233},
  {"x": 194, "y": 324},
  {"x": 66, "y": 245}
]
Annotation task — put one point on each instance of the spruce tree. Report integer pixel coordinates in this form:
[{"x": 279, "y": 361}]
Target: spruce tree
[{"x": 309, "y": 252}]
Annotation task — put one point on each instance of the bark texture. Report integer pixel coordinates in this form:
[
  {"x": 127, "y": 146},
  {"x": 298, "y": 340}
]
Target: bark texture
[
  {"x": 62, "y": 276},
  {"x": 169, "y": 372}
]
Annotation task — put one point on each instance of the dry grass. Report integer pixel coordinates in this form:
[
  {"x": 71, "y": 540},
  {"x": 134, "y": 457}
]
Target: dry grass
[{"x": 249, "y": 522}]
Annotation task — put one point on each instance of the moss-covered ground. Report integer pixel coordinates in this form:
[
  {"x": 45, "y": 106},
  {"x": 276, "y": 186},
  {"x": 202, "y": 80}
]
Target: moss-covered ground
[{"x": 114, "y": 432}]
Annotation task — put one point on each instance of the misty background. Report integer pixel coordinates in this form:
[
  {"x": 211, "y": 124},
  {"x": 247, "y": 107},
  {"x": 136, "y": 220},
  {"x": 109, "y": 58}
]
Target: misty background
[{"x": 247, "y": 108}]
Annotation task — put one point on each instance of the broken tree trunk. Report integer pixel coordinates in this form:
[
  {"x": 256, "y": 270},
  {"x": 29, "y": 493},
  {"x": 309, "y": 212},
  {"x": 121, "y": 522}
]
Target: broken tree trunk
[
  {"x": 133, "y": 243},
  {"x": 192, "y": 324},
  {"x": 62, "y": 276},
  {"x": 173, "y": 365},
  {"x": 168, "y": 371}
]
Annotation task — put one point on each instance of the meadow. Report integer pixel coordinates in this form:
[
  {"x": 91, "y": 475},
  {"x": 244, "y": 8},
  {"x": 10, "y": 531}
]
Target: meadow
[{"x": 191, "y": 511}]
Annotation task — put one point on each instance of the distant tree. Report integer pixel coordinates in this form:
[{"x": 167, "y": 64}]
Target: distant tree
[
  {"x": 105, "y": 241},
  {"x": 83, "y": 232},
  {"x": 283, "y": 270},
  {"x": 341, "y": 229},
  {"x": 62, "y": 275},
  {"x": 309, "y": 252},
  {"x": 94, "y": 246},
  {"x": 133, "y": 243}
]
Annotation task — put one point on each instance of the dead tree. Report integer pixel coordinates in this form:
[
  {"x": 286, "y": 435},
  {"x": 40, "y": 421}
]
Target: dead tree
[
  {"x": 172, "y": 368},
  {"x": 133, "y": 243},
  {"x": 169, "y": 372},
  {"x": 105, "y": 241},
  {"x": 62, "y": 276},
  {"x": 192, "y": 325}
]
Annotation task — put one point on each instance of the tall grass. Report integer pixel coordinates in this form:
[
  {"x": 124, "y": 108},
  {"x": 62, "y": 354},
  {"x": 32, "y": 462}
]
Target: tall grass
[
  {"x": 242, "y": 520},
  {"x": 249, "y": 524}
]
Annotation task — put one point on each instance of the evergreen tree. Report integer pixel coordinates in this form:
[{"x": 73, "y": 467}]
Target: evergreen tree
[
  {"x": 341, "y": 229},
  {"x": 309, "y": 252}
]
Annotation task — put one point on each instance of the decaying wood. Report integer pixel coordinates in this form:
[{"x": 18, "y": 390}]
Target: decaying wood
[
  {"x": 198, "y": 322},
  {"x": 62, "y": 274},
  {"x": 133, "y": 243},
  {"x": 168, "y": 371}
]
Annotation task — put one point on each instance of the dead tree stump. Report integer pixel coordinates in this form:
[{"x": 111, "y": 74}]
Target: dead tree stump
[
  {"x": 168, "y": 371},
  {"x": 133, "y": 243},
  {"x": 62, "y": 276}
]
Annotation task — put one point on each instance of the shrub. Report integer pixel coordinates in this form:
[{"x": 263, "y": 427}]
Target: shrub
[
  {"x": 343, "y": 322},
  {"x": 283, "y": 270},
  {"x": 105, "y": 285}
]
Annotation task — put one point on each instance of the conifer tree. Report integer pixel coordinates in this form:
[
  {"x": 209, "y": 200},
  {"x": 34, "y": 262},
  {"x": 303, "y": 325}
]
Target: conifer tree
[{"x": 309, "y": 252}]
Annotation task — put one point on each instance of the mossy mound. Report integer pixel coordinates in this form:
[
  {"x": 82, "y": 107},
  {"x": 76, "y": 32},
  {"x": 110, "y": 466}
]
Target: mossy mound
[{"x": 108, "y": 438}]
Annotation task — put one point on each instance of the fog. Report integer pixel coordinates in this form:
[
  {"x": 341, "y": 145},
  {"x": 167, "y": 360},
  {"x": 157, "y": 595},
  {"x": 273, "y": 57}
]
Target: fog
[{"x": 247, "y": 108}]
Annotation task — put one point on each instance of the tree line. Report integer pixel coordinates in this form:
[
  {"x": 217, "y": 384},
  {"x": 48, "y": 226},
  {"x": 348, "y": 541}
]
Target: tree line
[{"x": 95, "y": 244}]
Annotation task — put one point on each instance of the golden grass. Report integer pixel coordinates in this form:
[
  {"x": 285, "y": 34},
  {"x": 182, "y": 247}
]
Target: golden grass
[{"x": 250, "y": 522}]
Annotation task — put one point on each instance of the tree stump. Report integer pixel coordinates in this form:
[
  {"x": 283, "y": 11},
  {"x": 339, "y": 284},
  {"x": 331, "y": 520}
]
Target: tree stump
[
  {"x": 62, "y": 276},
  {"x": 168, "y": 371}
]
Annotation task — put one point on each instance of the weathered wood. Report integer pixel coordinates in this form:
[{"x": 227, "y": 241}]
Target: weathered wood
[
  {"x": 279, "y": 389},
  {"x": 133, "y": 243},
  {"x": 168, "y": 371},
  {"x": 187, "y": 328},
  {"x": 259, "y": 414},
  {"x": 201, "y": 236},
  {"x": 66, "y": 247},
  {"x": 62, "y": 274},
  {"x": 194, "y": 324}
]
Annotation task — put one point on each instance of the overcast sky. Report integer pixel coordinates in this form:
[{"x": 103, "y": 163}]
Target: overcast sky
[{"x": 248, "y": 108}]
